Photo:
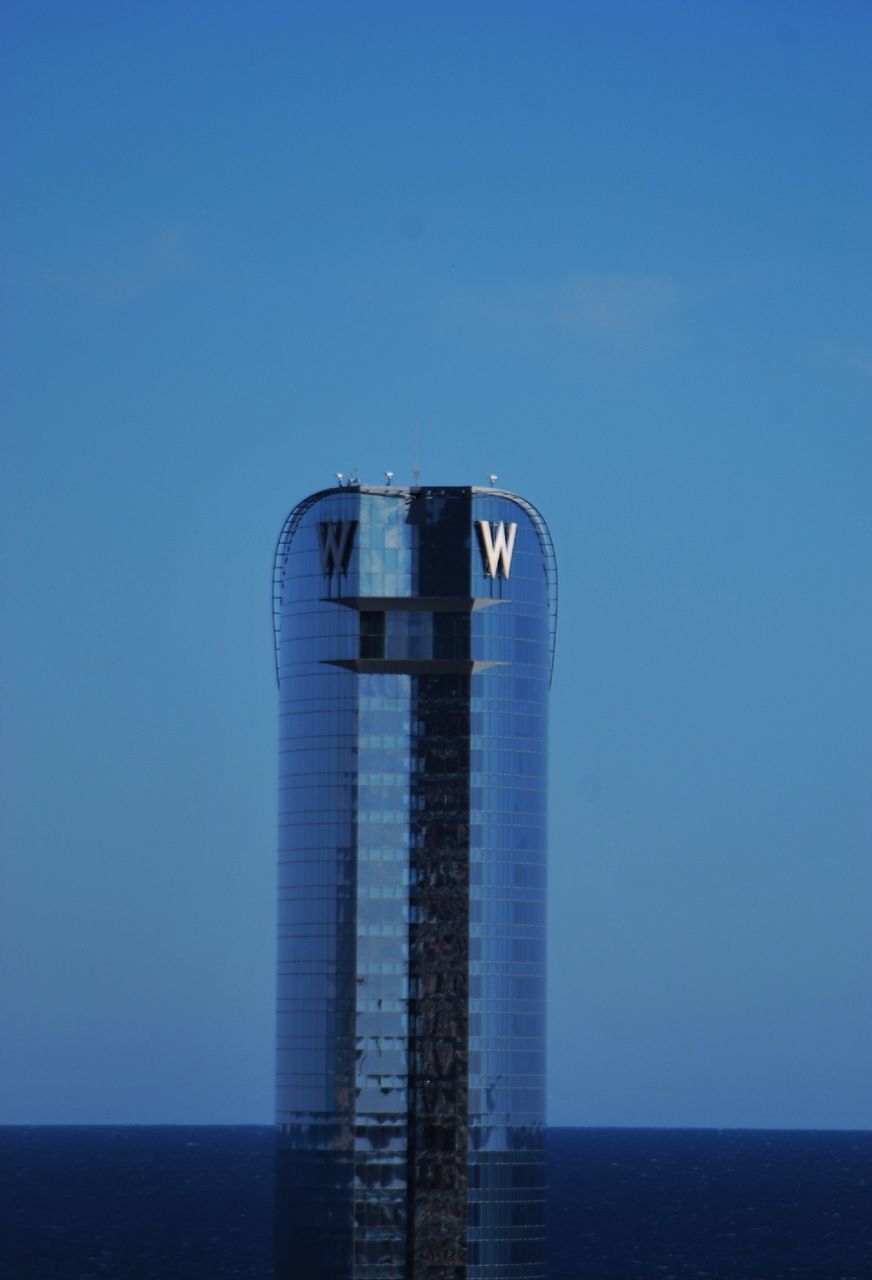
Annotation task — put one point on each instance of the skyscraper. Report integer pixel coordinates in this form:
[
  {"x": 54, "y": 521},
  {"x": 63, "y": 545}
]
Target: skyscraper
[{"x": 414, "y": 637}]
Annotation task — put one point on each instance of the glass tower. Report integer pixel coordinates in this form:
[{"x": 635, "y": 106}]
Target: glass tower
[{"x": 414, "y": 637}]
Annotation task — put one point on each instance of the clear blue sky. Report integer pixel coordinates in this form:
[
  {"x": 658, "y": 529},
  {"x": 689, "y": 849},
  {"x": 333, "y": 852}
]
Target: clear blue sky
[{"x": 618, "y": 253}]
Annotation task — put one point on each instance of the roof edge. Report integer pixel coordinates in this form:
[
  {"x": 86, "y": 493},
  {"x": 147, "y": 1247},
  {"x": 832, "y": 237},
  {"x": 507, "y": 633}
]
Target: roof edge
[{"x": 292, "y": 521}]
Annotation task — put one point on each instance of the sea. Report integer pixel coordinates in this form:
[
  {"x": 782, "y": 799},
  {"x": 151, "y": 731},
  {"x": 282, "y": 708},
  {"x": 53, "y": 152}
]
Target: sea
[{"x": 178, "y": 1203}]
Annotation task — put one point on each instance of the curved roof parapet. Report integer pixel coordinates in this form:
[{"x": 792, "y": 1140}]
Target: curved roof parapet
[
  {"x": 291, "y": 524},
  {"x": 548, "y": 557},
  {"x": 283, "y": 542}
]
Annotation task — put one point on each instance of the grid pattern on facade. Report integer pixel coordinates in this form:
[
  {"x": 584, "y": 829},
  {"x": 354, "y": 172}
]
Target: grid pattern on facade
[{"x": 507, "y": 912}]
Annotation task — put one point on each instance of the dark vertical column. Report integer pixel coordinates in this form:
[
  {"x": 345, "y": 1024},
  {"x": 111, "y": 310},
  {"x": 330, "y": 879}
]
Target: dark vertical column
[
  {"x": 439, "y": 923},
  {"x": 439, "y": 980}
]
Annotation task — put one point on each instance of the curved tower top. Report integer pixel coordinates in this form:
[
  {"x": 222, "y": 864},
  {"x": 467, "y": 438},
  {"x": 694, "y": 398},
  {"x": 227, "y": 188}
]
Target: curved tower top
[{"x": 292, "y": 521}]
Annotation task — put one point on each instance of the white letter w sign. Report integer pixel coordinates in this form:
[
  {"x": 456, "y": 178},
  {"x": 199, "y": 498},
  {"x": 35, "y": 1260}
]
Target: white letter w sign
[
  {"x": 497, "y": 546},
  {"x": 335, "y": 540}
]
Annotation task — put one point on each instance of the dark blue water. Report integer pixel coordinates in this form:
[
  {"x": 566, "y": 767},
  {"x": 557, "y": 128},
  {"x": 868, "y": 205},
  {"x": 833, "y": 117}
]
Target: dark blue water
[{"x": 624, "y": 1204}]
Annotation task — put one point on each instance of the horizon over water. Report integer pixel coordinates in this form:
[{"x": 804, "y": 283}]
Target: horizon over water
[{"x": 170, "y": 1201}]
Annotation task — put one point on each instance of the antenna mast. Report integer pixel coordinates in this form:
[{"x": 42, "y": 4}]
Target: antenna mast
[{"x": 416, "y": 470}]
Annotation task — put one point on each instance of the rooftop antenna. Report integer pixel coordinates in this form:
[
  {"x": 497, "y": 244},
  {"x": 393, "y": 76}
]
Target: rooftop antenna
[
  {"x": 354, "y": 479},
  {"x": 339, "y": 475},
  {"x": 389, "y": 475},
  {"x": 493, "y": 479},
  {"x": 416, "y": 470}
]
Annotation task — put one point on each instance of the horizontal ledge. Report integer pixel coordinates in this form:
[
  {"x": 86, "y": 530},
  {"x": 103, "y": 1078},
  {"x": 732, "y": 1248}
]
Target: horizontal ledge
[
  {"x": 414, "y": 604},
  {"x": 411, "y": 666}
]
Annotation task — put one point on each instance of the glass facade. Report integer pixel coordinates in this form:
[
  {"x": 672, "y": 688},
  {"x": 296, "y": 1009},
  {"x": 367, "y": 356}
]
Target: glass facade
[{"x": 414, "y": 642}]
